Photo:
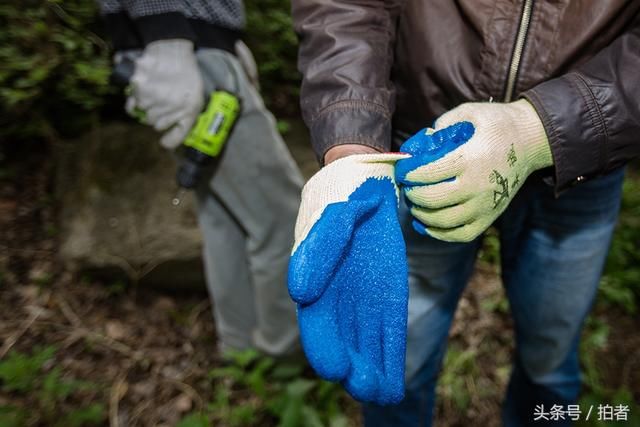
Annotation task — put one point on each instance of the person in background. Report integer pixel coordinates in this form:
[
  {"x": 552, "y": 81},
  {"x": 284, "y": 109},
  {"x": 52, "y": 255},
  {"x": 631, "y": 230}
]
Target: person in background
[
  {"x": 541, "y": 98},
  {"x": 247, "y": 209}
]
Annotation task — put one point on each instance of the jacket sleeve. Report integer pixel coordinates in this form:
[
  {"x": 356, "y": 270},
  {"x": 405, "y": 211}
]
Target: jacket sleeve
[
  {"x": 136, "y": 23},
  {"x": 592, "y": 114},
  {"x": 346, "y": 54}
]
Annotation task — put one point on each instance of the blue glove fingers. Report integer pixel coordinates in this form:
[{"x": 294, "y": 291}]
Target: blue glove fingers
[
  {"x": 419, "y": 227},
  {"x": 312, "y": 266},
  {"x": 363, "y": 380},
  {"x": 314, "y": 274},
  {"x": 429, "y": 148},
  {"x": 321, "y": 340},
  {"x": 357, "y": 271},
  {"x": 394, "y": 337},
  {"x": 381, "y": 315},
  {"x": 365, "y": 335}
]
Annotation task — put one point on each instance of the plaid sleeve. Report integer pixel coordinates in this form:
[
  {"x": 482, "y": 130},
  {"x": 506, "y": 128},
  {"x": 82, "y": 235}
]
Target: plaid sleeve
[
  {"x": 225, "y": 13},
  {"x": 110, "y": 6},
  {"x": 208, "y": 23}
]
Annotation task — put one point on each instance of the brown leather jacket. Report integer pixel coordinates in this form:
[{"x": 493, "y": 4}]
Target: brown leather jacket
[{"x": 373, "y": 65}]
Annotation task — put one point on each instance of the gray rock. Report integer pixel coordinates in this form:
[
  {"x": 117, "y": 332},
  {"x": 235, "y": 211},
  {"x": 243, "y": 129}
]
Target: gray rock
[{"x": 116, "y": 185}]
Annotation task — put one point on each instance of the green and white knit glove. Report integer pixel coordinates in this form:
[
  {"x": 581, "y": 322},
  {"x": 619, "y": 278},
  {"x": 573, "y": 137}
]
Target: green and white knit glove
[{"x": 456, "y": 194}]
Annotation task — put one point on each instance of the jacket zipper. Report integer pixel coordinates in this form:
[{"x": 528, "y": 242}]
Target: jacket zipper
[{"x": 514, "y": 65}]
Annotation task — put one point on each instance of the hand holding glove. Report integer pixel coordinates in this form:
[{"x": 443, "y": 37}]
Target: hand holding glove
[
  {"x": 348, "y": 275},
  {"x": 167, "y": 86},
  {"x": 464, "y": 172}
]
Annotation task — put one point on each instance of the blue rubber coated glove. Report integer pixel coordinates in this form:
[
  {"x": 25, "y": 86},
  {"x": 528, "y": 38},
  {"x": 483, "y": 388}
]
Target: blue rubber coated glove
[
  {"x": 426, "y": 147},
  {"x": 348, "y": 275},
  {"x": 463, "y": 176}
]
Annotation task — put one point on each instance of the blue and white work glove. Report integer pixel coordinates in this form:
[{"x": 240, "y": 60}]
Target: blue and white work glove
[
  {"x": 348, "y": 275},
  {"x": 464, "y": 173},
  {"x": 167, "y": 86}
]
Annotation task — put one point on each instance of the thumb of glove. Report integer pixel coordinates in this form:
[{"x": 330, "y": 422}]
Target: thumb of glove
[
  {"x": 174, "y": 136},
  {"x": 428, "y": 146}
]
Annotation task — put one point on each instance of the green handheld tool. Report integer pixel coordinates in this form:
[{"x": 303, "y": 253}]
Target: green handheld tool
[{"x": 205, "y": 140}]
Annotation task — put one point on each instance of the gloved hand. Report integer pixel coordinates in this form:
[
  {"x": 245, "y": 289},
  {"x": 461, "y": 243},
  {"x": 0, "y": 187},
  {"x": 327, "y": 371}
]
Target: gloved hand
[
  {"x": 167, "y": 86},
  {"x": 348, "y": 274},
  {"x": 466, "y": 170}
]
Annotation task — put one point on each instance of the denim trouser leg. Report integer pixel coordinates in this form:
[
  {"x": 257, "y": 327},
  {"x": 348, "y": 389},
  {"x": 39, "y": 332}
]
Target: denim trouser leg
[{"x": 553, "y": 251}]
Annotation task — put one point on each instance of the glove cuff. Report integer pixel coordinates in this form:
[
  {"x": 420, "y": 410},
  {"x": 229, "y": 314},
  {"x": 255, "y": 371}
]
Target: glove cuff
[
  {"x": 175, "y": 48},
  {"x": 534, "y": 137},
  {"x": 336, "y": 181}
]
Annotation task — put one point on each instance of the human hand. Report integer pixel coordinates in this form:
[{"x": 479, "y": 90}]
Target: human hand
[
  {"x": 463, "y": 173},
  {"x": 168, "y": 87},
  {"x": 339, "y": 151},
  {"x": 348, "y": 275}
]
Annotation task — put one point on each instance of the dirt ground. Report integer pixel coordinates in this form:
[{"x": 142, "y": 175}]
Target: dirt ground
[{"x": 148, "y": 352}]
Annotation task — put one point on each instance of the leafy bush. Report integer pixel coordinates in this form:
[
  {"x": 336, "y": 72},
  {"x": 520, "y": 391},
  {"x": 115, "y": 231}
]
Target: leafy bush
[
  {"x": 53, "y": 65},
  {"x": 55, "y": 68},
  {"x": 273, "y": 42}
]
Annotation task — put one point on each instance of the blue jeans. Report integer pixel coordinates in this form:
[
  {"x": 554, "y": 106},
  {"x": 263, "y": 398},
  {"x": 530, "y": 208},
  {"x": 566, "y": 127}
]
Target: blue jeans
[{"x": 553, "y": 251}]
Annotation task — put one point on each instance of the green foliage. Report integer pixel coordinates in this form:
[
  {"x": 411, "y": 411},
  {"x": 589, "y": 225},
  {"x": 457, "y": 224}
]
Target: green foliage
[
  {"x": 27, "y": 376},
  {"x": 490, "y": 249},
  {"x": 51, "y": 63},
  {"x": 55, "y": 68},
  {"x": 284, "y": 126},
  {"x": 621, "y": 282},
  {"x": 619, "y": 397},
  {"x": 19, "y": 372},
  {"x": 595, "y": 339},
  {"x": 274, "y": 44},
  {"x": 195, "y": 419},
  {"x": 459, "y": 366},
  {"x": 252, "y": 389}
]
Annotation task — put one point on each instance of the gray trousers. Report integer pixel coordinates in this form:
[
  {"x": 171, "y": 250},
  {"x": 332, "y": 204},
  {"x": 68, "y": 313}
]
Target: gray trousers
[{"x": 247, "y": 210}]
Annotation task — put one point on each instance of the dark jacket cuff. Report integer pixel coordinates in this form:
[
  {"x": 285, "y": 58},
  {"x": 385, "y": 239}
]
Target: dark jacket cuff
[
  {"x": 122, "y": 31},
  {"x": 350, "y": 122},
  {"x": 575, "y": 127},
  {"x": 174, "y": 25},
  {"x": 171, "y": 25}
]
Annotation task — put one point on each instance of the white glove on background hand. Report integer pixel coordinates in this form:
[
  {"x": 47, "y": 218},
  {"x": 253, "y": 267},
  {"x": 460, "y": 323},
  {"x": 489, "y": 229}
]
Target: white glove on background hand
[
  {"x": 248, "y": 62},
  {"x": 168, "y": 87},
  {"x": 465, "y": 171}
]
